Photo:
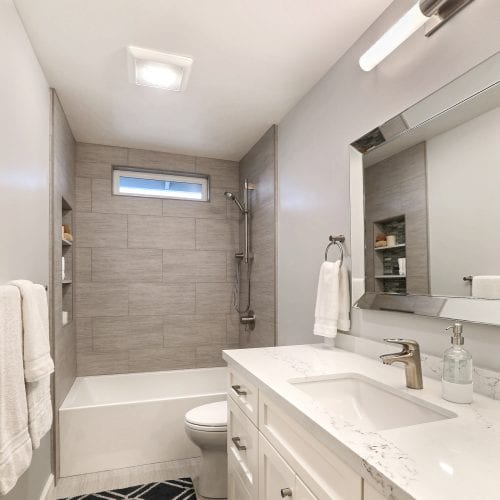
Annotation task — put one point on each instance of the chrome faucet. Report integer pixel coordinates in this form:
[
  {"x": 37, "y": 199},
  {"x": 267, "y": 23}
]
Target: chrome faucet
[{"x": 410, "y": 356}]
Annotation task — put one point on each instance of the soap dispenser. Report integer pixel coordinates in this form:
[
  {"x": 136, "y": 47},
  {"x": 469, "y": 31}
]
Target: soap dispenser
[{"x": 457, "y": 369}]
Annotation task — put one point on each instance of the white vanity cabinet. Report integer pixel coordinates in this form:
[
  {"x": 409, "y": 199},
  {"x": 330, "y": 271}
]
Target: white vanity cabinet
[{"x": 273, "y": 457}]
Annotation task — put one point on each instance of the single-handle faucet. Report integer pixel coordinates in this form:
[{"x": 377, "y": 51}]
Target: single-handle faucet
[{"x": 410, "y": 356}]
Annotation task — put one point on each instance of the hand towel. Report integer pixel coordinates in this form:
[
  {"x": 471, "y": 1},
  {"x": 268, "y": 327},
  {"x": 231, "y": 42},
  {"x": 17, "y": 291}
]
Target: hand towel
[
  {"x": 38, "y": 364},
  {"x": 486, "y": 287},
  {"x": 15, "y": 443},
  {"x": 37, "y": 361},
  {"x": 332, "y": 300}
]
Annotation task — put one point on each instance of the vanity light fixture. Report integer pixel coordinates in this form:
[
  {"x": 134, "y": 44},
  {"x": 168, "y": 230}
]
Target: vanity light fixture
[
  {"x": 434, "y": 13},
  {"x": 157, "y": 69}
]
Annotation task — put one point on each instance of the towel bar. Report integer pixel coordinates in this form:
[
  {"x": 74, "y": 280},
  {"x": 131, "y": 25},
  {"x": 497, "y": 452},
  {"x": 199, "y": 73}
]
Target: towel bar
[{"x": 337, "y": 241}]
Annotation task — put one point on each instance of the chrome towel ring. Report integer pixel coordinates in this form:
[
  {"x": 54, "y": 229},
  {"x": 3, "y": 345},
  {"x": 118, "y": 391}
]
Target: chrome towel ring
[{"x": 339, "y": 242}]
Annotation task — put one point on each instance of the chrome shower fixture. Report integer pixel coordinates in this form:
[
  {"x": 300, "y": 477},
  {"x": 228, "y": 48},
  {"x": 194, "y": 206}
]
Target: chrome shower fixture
[{"x": 232, "y": 196}]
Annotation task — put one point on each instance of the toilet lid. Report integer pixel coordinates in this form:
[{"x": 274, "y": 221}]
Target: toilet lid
[{"x": 210, "y": 415}]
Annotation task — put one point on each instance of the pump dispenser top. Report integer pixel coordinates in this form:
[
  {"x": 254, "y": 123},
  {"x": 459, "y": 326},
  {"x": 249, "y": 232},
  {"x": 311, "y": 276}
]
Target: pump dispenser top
[{"x": 457, "y": 338}]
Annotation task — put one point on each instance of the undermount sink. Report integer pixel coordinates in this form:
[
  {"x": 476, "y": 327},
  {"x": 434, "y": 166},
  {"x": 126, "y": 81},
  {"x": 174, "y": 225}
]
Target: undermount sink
[{"x": 368, "y": 404}]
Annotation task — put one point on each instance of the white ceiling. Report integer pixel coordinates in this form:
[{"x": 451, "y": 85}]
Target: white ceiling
[{"x": 253, "y": 61}]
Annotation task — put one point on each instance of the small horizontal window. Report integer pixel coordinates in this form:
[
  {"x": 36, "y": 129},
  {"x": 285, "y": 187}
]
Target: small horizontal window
[{"x": 160, "y": 185}]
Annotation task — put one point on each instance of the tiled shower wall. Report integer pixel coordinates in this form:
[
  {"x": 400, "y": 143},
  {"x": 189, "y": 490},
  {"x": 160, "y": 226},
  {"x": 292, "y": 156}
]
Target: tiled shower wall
[
  {"x": 258, "y": 166},
  {"x": 393, "y": 187},
  {"x": 154, "y": 278}
]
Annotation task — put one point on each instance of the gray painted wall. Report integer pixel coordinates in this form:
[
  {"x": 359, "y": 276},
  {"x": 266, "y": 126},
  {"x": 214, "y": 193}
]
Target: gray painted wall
[
  {"x": 24, "y": 187},
  {"x": 464, "y": 213},
  {"x": 313, "y": 164},
  {"x": 259, "y": 167},
  {"x": 154, "y": 278}
]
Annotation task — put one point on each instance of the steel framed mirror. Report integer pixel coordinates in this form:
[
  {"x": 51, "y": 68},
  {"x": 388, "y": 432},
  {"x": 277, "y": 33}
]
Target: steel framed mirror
[{"x": 425, "y": 204}]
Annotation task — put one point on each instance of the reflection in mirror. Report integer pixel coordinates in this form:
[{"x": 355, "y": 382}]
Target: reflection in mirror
[
  {"x": 432, "y": 207},
  {"x": 432, "y": 211}
]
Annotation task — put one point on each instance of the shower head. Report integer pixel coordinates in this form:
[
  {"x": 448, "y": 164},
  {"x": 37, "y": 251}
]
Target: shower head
[{"x": 231, "y": 196}]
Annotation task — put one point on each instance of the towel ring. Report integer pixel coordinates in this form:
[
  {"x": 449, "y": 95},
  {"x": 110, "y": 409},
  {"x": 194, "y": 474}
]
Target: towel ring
[{"x": 337, "y": 241}]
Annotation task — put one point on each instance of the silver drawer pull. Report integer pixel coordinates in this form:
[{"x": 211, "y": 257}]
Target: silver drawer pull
[
  {"x": 237, "y": 389},
  {"x": 236, "y": 441},
  {"x": 286, "y": 492}
]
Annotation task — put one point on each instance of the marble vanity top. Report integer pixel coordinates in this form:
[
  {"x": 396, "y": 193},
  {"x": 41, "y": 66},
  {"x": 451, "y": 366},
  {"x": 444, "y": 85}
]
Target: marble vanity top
[{"x": 457, "y": 458}]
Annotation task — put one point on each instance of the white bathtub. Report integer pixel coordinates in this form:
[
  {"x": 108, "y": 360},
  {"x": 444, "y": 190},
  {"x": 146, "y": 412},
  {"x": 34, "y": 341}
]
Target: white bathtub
[{"x": 114, "y": 421}]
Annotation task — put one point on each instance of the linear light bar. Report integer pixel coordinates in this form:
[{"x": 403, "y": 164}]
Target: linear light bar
[{"x": 440, "y": 10}]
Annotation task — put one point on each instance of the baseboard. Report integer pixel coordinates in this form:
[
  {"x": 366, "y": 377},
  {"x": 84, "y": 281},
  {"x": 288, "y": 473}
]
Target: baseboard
[{"x": 48, "y": 492}]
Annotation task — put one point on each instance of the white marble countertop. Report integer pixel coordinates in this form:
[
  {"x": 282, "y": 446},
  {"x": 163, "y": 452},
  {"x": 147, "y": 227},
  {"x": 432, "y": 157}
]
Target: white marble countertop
[{"x": 457, "y": 458}]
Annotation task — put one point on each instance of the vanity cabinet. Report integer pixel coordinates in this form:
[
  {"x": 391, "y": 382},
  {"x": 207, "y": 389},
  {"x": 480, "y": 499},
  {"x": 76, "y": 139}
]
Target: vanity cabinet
[{"x": 271, "y": 456}]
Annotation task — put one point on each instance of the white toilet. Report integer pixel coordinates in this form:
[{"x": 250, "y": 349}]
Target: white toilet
[{"x": 206, "y": 426}]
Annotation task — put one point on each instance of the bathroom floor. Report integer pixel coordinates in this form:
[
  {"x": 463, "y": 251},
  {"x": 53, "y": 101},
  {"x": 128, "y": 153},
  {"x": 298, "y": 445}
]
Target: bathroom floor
[
  {"x": 177, "y": 489},
  {"x": 111, "y": 483}
]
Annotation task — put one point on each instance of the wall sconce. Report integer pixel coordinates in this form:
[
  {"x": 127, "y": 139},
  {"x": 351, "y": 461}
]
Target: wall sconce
[{"x": 433, "y": 12}]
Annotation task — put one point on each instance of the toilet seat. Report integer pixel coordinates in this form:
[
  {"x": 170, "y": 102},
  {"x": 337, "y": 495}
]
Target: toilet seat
[{"x": 211, "y": 417}]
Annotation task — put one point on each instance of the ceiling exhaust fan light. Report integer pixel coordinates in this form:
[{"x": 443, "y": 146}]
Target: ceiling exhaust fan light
[{"x": 156, "y": 69}]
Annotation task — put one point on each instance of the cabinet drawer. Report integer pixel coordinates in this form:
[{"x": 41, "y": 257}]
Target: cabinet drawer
[
  {"x": 245, "y": 394},
  {"x": 243, "y": 446},
  {"x": 235, "y": 487},
  {"x": 322, "y": 471},
  {"x": 276, "y": 478}
]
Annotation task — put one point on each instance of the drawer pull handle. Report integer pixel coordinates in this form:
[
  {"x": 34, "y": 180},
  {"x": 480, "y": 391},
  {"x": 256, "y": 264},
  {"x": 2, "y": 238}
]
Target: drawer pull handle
[
  {"x": 236, "y": 441},
  {"x": 237, "y": 389},
  {"x": 286, "y": 492}
]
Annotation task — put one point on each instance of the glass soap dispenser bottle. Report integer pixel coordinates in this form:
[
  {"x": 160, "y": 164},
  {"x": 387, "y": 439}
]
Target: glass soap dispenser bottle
[{"x": 457, "y": 369}]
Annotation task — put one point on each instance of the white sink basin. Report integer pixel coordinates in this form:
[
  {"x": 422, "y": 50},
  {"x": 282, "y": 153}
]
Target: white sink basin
[{"x": 368, "y": 404}]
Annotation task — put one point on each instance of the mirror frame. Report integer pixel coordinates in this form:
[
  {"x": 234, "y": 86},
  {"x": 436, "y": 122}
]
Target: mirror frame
[{"x": 465, "y": 87}]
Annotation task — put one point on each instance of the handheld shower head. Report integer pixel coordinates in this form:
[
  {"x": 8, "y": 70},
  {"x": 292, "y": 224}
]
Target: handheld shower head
[{"x": 231, "y": 196}]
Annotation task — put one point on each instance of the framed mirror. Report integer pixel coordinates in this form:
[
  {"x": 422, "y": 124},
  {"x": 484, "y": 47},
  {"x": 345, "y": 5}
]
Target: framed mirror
[{"x": 425, "y": 194}]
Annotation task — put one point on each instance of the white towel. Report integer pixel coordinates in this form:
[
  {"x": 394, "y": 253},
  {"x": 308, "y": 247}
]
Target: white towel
[
  {"x": 332, "y": 300},
  {"x": 486, "y": 287},
  {"x": 15, "y": 443},
  {"x": 38, "y": 364}
]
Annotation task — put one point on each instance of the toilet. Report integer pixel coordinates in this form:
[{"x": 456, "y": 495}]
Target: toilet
[{"x": 206, "y": 427}]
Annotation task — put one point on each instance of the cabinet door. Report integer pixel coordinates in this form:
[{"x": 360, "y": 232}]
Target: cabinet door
[
  {"x": 235, "y": 488},
  {"x": 276, "y": 478},
  {"x": 302, "y": 492},
  {"x": 370, "y": 493}
]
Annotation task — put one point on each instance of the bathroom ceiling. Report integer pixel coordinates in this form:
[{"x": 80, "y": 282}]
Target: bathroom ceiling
[{"x": 253, "y": 61}]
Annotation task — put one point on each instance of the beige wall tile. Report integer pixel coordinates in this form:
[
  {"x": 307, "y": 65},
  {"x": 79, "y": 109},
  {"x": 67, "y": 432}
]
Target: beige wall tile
[
  {"x": 102, "y": 364},
  {"x": 83, "y": 335},
  {"x": 156, "y": 299},
  {"x": 83, "y": 194},
  {"x": 101, "y": 154},
  {"x": 127, "y": 264},
  {"x": 193, "y": 330},
  {"x": 177, "y": 358},
  {"x": 169, "y": 233},
  {"x": 217, "y": 234},
  {"x": 101, "y": 299},
  {"x": 93, "y": 170},
  {"x": 210, "y": 355},
  {"x": 127, "y": 333},
  {"x": 223, "y": 173},
  {"x": 213, "y": 298},
  {"x": 191, "y": 266},
  {"x": 161, "y": 161},
  {"x": 101, "y": 230},
  {"x": 104, "y": 201},
  {"x": 213, "y": 209},
  {"x": 82, "y": 261}
]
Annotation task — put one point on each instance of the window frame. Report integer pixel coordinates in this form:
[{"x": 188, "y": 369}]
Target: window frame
[{"x": 163, "y": 175}]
